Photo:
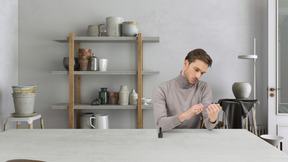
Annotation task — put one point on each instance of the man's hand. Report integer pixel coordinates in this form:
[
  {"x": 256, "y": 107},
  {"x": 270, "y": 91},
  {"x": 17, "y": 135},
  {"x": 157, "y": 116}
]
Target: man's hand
[
  {"x": 213, "y": 111},
  {"x": 194, "y": 110}
]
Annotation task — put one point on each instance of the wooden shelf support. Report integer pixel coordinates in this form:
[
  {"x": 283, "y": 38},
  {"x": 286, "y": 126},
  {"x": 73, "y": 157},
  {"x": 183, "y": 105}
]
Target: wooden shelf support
[
  {"x": 78, "y": 89},
  {"x": 71, "y": 80},
  {"x": 140, "y": 81}
]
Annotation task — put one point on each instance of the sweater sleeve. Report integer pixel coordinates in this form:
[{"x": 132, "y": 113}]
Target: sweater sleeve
[
  {"x": 207, "y": 98},
  {"x": 160, "y": 111}
]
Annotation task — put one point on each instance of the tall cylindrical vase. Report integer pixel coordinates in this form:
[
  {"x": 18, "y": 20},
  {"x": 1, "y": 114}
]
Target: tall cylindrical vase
[
  {"x": 113, "y": 26},
  {"x": 123, "y": 95}
]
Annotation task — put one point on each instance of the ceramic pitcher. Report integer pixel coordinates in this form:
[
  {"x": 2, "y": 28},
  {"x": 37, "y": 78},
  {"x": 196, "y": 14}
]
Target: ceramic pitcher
[{"x": 100, "y": 121}]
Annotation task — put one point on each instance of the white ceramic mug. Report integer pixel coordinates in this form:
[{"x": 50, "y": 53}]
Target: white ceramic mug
[
  {"x": 103, "y": 63},
  {"x": 100, "y": 121}
]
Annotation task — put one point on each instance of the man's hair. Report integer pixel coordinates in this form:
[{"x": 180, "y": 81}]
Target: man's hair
[{"x": 199, "y": 54}]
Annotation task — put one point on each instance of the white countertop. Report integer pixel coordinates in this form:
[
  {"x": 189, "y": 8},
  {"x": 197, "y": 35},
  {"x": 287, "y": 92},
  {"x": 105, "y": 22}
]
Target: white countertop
[{"x": 88, "y": 145}]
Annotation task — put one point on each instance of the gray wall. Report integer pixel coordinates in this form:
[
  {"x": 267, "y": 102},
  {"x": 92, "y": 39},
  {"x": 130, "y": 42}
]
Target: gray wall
[
  {"x": 9, "y": 56},
  {"x": 224, "y": 28}
]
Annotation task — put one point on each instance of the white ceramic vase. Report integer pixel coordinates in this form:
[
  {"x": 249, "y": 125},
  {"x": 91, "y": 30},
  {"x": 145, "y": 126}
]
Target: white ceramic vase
[
  {"x": 133, "y": 97},
  {"x": 241, "y": 90},
  {"x": 113, "y": 26},
  {"x": 123, "y": 95}
]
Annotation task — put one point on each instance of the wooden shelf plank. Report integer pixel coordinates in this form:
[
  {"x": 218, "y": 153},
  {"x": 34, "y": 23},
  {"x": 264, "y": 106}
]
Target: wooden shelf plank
[
  {"x": 105, "y": 72},
  {"x": 64, "y": 106},
  {"x": 87, "y": 39}
]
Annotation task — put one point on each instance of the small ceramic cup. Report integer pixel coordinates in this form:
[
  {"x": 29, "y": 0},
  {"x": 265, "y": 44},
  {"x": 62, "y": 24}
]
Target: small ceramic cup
[{"x": 103, "y": 64}]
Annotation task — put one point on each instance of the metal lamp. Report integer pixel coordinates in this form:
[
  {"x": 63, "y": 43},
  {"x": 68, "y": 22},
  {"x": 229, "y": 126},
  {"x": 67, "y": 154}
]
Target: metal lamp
[{"x": 254, "y": 57}]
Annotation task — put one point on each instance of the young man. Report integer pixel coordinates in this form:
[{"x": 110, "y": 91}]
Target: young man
[{"x": 178, "y": 103}]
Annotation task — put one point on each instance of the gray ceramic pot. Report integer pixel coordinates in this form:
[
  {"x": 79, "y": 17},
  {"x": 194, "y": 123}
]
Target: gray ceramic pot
[
  {"x": 66, "y": 63},
  {"x": 241, "y": 90}
]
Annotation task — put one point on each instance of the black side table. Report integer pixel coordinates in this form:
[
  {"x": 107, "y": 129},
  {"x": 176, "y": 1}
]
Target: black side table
[{"x": 236, "y": 110}]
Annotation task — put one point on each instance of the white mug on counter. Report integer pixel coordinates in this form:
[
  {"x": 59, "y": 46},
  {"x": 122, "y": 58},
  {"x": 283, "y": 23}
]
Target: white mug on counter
[
  {"x": 103, "y": 63},
  {"x": 100, "y": 121}
]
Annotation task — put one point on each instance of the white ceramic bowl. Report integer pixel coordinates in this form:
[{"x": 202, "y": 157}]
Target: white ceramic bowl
[
  {"x": 130, "y": 28},
  {"x": 145, "y": 101},
  {"x": 273, "y": 140}
]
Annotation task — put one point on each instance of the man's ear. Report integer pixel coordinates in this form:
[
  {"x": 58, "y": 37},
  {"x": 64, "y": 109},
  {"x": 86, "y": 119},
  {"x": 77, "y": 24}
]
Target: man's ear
[{"x": 186, "y": 63}]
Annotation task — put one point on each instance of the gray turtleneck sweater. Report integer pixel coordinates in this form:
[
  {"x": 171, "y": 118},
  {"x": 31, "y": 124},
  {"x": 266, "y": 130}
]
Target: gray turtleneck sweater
[{"x": 176, "y": 96}]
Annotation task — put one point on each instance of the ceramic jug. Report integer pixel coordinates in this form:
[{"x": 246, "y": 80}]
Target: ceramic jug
[{"x": 100, "y": 121}]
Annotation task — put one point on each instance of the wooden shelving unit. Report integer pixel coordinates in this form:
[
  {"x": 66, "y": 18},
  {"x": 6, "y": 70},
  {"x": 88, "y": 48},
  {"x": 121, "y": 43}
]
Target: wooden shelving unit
[{"x": 75, "y": 105}]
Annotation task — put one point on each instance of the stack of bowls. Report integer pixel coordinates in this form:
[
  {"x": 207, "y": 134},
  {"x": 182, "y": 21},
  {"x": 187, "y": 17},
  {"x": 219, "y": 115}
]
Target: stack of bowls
[{"x": 24, "y": 99}]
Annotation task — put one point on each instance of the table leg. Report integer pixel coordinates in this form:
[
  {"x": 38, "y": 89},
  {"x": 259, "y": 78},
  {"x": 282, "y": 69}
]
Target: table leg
[
  {"x": 223, "y": 120},
  {"x": 31, "y": 126},
  {"x": 246, "y": 122},
  {"x": 42, "y": 124},
  {"x": 18, "y": 125},
  {"x": 254, "y": 121},
  {"x": 5, "y": 127}
]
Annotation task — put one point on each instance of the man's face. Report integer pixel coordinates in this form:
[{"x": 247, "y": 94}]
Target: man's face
[{"x": 192, "y": 72}]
